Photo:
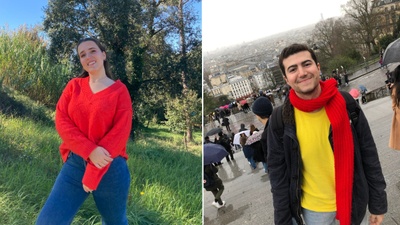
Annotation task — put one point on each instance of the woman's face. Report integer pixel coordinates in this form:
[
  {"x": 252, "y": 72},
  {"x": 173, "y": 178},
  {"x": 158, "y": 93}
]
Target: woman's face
[{"x": 91, "y": 57}]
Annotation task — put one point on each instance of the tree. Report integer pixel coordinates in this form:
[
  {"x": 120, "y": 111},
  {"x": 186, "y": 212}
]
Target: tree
[
  {"x": 178, "y": 108},
  {"x": 364, "y": 21},
  {"x": 180, "y": 20},
  {"x": 210, "y": 103},
  {"x": 334, "y": 42},
  {"x": 137, "y": 36},
  {"x": 331, "y": 37},
  {"x": 386, "y": 40},
  {"x": 396, "y": 31}
]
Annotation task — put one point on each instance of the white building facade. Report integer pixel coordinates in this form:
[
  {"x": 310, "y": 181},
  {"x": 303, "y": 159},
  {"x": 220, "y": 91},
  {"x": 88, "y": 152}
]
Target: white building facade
[{"x": 240, "y": 87}]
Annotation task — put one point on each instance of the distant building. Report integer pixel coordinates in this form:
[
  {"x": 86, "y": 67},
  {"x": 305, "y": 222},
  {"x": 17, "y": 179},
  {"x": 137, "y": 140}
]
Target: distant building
[
  {"x": 218, "y": 79},
  {"x": 206, "y": 88},
  {"x": 243, "y": 70},
  {"x": 224, "y": 89},
  {"x": 388, "y": 13},
  {"x": 277, "y": 75},
  {"x": 240, "y": 87},
  {"x": 260, "y": 81}
]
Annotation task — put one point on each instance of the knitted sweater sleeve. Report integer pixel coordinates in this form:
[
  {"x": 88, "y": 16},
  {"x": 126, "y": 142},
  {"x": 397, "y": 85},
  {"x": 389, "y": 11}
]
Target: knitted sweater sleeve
[
  {"x": 114, "y": 141},
  {"x": 73, "y": 138}
]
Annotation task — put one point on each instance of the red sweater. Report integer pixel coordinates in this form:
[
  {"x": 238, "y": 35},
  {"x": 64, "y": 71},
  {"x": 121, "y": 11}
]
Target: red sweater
[{"x": 85, "y": 120}]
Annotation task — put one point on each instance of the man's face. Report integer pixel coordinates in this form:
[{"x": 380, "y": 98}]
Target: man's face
[{"x": 302, "y": 74}]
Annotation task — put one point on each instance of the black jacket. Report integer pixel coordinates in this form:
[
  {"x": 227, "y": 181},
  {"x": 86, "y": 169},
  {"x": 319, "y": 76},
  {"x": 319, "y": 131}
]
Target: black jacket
[
  {"x": 285, "y": 165},
  {"x": 211, "y": 171}
]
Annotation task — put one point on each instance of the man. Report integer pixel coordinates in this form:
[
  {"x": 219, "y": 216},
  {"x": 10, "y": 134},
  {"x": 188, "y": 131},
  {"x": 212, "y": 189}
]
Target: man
[
  {"x": 321, "y": 166},
  {"x": 223, "y": 140},
  {"x": 262, "y": 108},
  {"x": 242, "y": 127},
  {"x": 225, "y": 122},
  {"x": 214, "y": 184}
]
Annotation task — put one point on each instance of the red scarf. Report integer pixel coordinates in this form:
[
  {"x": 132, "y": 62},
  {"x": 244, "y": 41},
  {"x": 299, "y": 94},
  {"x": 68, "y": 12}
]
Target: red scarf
[{"x": 335, "y": 106}]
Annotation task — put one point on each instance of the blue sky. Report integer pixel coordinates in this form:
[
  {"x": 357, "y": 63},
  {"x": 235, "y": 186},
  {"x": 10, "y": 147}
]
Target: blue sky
[{"x": 15, "y": 13}]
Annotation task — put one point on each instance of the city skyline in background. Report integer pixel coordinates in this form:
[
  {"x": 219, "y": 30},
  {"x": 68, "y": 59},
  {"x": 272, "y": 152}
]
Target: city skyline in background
[{"x": 227, "y": 23}]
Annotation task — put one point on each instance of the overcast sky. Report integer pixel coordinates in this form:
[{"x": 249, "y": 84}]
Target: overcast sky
[{"x": 228, "y": 22}]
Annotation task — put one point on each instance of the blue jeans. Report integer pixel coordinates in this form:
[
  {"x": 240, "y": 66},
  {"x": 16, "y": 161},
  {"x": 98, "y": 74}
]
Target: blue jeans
[
  {"x": 265, "y": 166},
  {"x": 328, "y": 218},
  {"x": 317, "y": 218},
  {"x": 68, "y": 195},
  {"x": 252, "y": 162}
]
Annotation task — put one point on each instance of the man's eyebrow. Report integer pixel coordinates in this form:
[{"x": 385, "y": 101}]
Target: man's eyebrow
[
  {"x": 295, "y": 65},
  {"x": 292, "y": 66},
  {"x": 306, "y": 61}
]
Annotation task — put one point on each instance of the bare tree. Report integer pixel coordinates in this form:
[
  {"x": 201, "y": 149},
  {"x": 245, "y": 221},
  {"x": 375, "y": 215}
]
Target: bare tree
[{"x": 364, "y": 21}]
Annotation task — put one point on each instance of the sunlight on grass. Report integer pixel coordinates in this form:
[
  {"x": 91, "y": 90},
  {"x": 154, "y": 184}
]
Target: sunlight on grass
[{"x": 165, "y": 187}]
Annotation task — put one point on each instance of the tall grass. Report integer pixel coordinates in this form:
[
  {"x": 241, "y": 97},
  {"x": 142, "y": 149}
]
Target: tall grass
[
  {"x": 25, "y": 65},
  {"x": 165, "y": 180}
]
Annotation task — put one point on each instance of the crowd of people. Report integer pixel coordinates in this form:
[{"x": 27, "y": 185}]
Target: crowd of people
[{"x": 318, "y": 149}]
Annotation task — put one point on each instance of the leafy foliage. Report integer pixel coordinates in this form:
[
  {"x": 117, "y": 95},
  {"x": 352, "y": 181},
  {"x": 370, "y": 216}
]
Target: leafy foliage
[
  {"x": 177, "y": 107},
  {"x": 210, "y": 103},
  {"x": 386, "y": 40},
  {"x": 140, "y": 39},
  {"x": 341, "y": 60}
]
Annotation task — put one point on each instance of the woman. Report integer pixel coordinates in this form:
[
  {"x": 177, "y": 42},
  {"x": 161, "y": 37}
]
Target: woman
[
  {"x": 253, "y": 129},
  {"x": 93, "y": 119},
  {"x": 248, "y": 151},
  {"x": 394, "y": 139}
]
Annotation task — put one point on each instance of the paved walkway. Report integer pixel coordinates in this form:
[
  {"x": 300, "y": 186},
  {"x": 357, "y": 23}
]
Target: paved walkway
[
  {"x": 247, "y": 192},
  {"x": 248, "y": 196}
]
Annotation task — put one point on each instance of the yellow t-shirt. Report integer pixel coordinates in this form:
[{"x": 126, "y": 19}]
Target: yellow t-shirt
[{"x": 318, "y": 183}]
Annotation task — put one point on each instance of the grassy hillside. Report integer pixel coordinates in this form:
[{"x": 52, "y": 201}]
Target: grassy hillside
[{"x": 165, "y": 179}]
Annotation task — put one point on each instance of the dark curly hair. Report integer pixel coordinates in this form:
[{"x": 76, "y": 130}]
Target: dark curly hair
[{"x": 293, "y": 49}]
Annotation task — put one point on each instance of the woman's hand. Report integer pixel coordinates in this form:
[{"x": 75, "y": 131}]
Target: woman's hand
[
  {"x": 86, "y": 189},
  {"x": 100, "y": 157}
]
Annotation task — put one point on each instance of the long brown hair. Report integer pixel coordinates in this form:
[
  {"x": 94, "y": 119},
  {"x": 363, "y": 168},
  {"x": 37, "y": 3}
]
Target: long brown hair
[
  {"x": 252, "y": 129},
  {"x": 396, "y": 85},
  {"x": 106, "y": 65}
]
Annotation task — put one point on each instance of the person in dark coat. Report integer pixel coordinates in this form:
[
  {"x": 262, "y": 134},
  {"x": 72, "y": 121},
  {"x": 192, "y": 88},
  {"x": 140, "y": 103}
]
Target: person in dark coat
[
  {"x": 217, "y": 186},
  {"x": 225, "y": 142},
  {"x": 317, "y": 158},
  {"x": 242, "y": 127},
  {"x": 262, "y": 108},
  {"x": 225, "y": 122},
  {"x": 207, "y": 140}
]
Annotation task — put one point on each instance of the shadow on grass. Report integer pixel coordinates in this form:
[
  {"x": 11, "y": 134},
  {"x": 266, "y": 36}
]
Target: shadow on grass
[{"x": 11, "y": 107}]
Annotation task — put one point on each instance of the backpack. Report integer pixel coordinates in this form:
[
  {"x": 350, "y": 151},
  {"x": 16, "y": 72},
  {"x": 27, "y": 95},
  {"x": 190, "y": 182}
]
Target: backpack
[
  {"x": 352, "y": 107},
  {"x": 208, "y": 180}
]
